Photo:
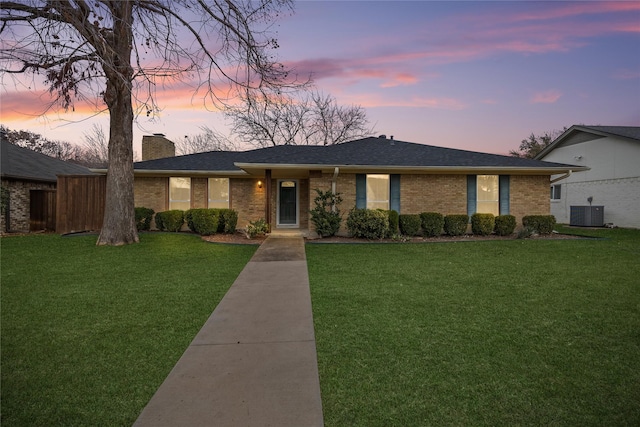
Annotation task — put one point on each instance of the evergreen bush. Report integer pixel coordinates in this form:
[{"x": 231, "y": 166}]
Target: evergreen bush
[
  {"x": 326, "y": 215},
  {"x": 227, "y": 221},
  {"x": 394, "y": 223},
  {"x": 456, "y": 225},
  {"x": 368, "y": 223},
  {"x": 505, "y": 225},
  {"x": 482, "y": 224},
  {"x": 432, "y": 223},
  {"x": 171, "y": 220},
  {"x": 143, "y": 218},
  {"x": 409, "y": 225},
  {"x": 542, "y": 224}
]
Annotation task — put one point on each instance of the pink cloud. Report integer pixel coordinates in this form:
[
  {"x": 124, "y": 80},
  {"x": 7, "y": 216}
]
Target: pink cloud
[
  {"x": 546, "y": 97},
  {"x": 626, "y": 74}
]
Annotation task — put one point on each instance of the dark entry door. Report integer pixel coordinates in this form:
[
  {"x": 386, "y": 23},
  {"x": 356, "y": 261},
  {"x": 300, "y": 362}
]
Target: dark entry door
[{"x": 288, "y": 209}]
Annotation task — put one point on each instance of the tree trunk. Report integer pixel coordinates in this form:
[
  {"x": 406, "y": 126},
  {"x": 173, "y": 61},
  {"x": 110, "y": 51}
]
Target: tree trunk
[{"x": 119, "y": 225}]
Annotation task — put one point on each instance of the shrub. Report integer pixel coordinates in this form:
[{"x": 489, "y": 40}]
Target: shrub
[
  {"x": 542, "y": 224},
  {"x": 227, "y": 221},
  {"x": 394, "y": 222},
  {"x": 170, "y": 220},
  {"x": 525, "y": 233},
  {"x": 456, "y": 225},
  {"x": 257, "y": 228},
  {"x": 432, "y": 223},
  {"x": 368, "y": 223},
  {"x": 505, "y": 225},
  {"x": 325, "y": 215},
  {"x": 482, "y": 224},
  {"x": 143, "y": 218},
  {"x": 410, "y": 225},
  {"x": 203, "y": 221}
]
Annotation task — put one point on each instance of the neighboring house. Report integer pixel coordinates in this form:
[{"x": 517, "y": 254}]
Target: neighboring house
[
  {"x": 279, "y": 183},
  {"x": 608, "y": 191},
  {"x": 28, "y": 187}
]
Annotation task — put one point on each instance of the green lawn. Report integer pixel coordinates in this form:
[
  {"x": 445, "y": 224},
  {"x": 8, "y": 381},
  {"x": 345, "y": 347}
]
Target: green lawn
[
  {"x": 523, "y": 332},
  {"x": 89, "y": 333}
]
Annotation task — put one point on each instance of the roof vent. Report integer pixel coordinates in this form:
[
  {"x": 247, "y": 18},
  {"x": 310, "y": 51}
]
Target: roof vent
[{"x": 383, "y": 136}]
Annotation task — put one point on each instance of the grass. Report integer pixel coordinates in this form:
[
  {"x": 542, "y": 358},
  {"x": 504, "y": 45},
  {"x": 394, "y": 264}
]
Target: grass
[
  {"x": 89, "y": 333},
  {"x": 523, "y": 332}
]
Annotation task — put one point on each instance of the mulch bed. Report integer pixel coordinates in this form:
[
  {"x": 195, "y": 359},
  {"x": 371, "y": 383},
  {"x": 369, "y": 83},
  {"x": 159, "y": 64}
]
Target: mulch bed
[{"x": 241, "y": 238}]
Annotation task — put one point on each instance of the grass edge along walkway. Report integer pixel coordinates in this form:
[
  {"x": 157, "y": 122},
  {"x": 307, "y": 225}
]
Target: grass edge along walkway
[
  {"x": 89, "y": 333},
  {"x": 523, "y": 332}
]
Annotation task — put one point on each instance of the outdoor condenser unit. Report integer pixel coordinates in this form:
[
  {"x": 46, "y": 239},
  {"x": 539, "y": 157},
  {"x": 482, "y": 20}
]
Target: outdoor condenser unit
[{"x": 587, "y": 216}]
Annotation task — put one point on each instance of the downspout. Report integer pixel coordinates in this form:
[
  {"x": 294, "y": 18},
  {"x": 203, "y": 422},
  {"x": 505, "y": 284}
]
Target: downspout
[
  {"x": 334, "y": 180},
  {"x": 566, "y": 175}
]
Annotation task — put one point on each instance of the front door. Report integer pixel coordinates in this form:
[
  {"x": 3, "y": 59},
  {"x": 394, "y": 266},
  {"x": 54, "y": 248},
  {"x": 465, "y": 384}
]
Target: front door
[{"x": 288, "y": 203}]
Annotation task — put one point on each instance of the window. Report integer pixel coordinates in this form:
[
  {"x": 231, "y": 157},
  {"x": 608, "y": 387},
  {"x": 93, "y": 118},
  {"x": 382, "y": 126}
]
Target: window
[
  {"x": 556, "y": 192},
  {"x": 180, "y": 193},
  {"x": 488, "y": 195},
  {"x": 377, "y": 191},
  {"x": 219, "y": 193}
]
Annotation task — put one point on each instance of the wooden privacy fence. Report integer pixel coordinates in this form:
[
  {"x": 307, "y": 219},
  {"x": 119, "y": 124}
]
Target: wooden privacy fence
[
  {"x": 80, "y": 203},
  {"x": 42, "y": 210}
]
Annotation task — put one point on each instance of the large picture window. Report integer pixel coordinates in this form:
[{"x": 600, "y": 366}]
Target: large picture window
[
  {"x": 378, "y": 191},
  {"x": 218, "y": 193},
  {"x": 488, "y": 195},
  {"x": 180, "y": 193}
]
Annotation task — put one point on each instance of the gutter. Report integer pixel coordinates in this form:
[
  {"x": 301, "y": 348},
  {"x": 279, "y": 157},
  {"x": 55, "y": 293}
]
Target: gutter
[
  {"x": 561, "y": 177},
  {"x": 333, "y": 185}
]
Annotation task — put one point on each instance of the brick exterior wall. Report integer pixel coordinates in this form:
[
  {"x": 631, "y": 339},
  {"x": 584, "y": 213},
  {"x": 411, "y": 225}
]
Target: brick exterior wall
[
  {"x": 19, "y": 204},
  {"x": 157, "y": 147},
  {"x": 529, "y": 196},
  {"x": 247, "y": 199},
  {"x": 446, "y": 194}
]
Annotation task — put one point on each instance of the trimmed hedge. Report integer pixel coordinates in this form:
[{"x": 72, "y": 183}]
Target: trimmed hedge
[
  {"x": 409, "y": 225},
  {"x": 432, "y": 223},
  {"x": 170, "y": 220},
  {"x": 143, "y": 218},
  {"x": 456, "y": 225},
  {"x": 227, "y": 221},
  {"x": 203, "y": 221},
  {"x": 505, "y": 225},
  {"x": 482, "y": 224},
  {"x": 368, "y": 223},
  {"x": 394, "y": 222},
  {"x": 542, "y": 224}
]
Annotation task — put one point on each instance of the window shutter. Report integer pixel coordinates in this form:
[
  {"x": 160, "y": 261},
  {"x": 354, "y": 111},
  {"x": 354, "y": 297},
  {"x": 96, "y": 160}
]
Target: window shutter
[
  {"x": 503, "y": 188},
  {"x": 472, "y": 194},
  {"x": 361, "y": 191},
  {"x": 394, "y": 192}
]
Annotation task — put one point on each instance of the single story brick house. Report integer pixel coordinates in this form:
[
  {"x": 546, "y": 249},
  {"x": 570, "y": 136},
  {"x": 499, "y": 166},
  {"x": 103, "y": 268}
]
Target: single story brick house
[{"x": 278, "y": 183}]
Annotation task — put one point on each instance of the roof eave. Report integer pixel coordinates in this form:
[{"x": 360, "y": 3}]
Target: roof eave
[
  {"x": 423, "y": 169},
  {"x": 167, "y": 172}
]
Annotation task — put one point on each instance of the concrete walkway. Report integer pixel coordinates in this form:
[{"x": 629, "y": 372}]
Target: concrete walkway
[{"x": 254, "y": 362}]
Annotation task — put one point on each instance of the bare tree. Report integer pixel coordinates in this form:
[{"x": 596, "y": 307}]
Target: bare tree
[
  {"x": 62, "y": 150},
  {"x": 268, "y": 118},
  {"x": 96, "y": 147},
  {"x": 208, "y": 140},
  {"x": 115, "y": 53}
]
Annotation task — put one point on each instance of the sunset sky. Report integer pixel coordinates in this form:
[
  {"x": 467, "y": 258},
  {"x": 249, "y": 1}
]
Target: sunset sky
[{"x": 473, "y": 75}]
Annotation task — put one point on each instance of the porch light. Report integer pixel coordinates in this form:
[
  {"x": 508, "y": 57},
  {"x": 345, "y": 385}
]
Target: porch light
[{"x": 259, "y": 184}]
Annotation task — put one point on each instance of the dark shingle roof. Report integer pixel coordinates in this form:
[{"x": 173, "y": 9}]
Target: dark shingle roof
[
  {"x": 632, "y": 132},
  {"x": 24, "y": 164},
  {"x": 372, "y": 151}
]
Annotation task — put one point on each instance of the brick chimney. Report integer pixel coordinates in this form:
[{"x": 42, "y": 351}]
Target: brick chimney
[{"x": 156, "y": 146}]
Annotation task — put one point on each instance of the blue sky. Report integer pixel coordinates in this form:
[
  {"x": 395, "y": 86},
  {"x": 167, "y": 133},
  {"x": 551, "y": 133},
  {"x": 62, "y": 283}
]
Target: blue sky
[{"x": 473, "y": 75}]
